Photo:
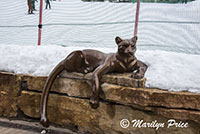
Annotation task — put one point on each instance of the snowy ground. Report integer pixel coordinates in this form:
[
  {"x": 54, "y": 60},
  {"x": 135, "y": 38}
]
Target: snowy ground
[{"x": 167, "y": 70}]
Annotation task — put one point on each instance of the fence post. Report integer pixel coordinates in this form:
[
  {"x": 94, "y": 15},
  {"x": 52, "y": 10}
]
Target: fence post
[
  {"x": 137, "y": 17},
  {"x": 40, "y": 23}
]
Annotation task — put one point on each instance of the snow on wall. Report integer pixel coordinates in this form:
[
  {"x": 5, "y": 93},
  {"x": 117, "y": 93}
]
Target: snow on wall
[{"x": 167, "y": 70}]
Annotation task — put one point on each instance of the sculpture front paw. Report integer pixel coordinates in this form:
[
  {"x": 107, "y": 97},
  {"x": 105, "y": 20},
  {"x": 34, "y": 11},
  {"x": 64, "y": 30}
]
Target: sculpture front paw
[
  {"x": 44, "y": 121},
  {"x": 137, "y": 75}
]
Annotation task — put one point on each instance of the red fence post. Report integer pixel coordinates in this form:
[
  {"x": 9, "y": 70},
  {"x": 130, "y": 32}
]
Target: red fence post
[
  {"x": 137, "y": 17},
  {"x": 40, "y": 23}
]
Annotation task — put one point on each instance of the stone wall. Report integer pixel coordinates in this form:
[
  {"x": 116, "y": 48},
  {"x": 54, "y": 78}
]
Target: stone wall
[{"x": 121, "y": 98}]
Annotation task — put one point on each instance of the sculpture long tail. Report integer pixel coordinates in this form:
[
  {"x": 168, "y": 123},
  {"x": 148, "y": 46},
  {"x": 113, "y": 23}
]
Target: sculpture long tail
[{"x": 45, "y": 93}]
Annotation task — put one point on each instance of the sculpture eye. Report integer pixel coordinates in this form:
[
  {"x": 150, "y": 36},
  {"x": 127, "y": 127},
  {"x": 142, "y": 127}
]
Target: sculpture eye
[
  {"x": 125, "y": 46},
  {"x": 121, "y": 46}
]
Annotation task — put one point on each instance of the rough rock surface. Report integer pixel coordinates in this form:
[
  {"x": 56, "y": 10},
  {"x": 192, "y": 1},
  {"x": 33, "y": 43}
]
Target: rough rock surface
[
  {"x": 104, "y": 120},
  {"x": 145, "y": 97},
  {"x": 123, "y": 79},
  {"x": 69, "y": 97},
  {"x": 9, "y": 89}
]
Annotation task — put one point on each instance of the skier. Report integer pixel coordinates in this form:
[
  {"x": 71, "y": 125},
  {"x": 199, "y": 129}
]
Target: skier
[
  {"x": 33, "y": 4},
  {"x": 184, "y": 1},
  {"x": 30, "y": 8},
  {"x": 48, "y": 4}
]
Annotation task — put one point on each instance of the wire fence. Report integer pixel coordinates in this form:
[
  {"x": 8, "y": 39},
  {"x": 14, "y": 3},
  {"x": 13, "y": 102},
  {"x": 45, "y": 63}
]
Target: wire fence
[{"x": 162, "y": 26}]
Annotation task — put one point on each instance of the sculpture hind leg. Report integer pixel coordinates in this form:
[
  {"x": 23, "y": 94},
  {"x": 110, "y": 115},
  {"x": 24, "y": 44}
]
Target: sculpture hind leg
[{"x": 75, "y": 62}]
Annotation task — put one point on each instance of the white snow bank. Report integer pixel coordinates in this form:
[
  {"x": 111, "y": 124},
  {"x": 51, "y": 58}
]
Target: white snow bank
[{"x": 167, "y": 70}]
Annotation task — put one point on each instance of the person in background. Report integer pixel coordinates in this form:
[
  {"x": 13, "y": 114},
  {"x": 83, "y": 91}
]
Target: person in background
[
  {"x": 33, "y": 4},
  {"x": 30, "y": 8},
  {"x": 184, "y": 1},
  {"x": 48, "y": 4}
]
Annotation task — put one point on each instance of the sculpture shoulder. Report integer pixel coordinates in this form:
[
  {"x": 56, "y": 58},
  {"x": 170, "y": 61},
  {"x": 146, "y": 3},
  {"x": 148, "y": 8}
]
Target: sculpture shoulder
[
  {"x": 111, "y": 58},
  {"x": 92, "y": 51}
]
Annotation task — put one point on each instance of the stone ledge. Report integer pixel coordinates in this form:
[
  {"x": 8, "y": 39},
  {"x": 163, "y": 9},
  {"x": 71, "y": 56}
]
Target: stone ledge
[
  {"x": 117, "y": 99},
  {"x": 104, "y": 120},
  {"x": 148, "y": 97},
  {"x": 75, "y": 86},
  {"x": 122, "y": 79},
  {"x": 37, "y": 82}
]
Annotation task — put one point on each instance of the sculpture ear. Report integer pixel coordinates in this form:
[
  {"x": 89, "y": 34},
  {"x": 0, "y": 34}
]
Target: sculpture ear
[
  {"x": 118, "y": 40},
  {"x": 135, "y": 38}
]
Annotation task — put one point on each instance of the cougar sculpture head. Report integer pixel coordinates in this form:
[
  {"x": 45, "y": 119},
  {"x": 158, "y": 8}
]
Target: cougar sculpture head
[{"x": 126, "y": 47}]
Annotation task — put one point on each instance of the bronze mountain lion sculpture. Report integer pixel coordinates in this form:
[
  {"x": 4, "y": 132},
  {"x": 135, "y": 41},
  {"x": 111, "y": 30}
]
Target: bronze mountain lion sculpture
[{"x": 99, "y": 63}]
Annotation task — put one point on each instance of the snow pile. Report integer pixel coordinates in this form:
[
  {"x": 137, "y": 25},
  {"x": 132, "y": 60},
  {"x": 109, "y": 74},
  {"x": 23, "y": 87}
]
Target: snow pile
[{"x": 167, "y": 70}]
